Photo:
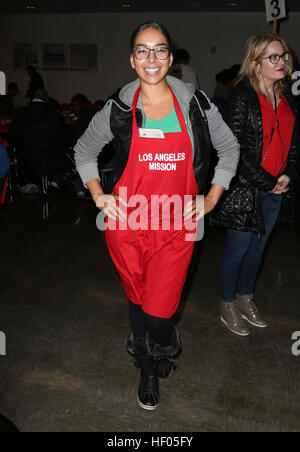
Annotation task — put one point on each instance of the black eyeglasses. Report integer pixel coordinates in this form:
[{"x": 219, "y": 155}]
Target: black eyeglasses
[
  {"x": 143, "y": 53},
  {"x": 275, "y": 58}
]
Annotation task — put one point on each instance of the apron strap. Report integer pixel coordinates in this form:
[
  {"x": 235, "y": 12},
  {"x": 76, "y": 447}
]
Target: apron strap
[
  {"x": 134, "y": 105},
  {"x": 178, "y": 110}
]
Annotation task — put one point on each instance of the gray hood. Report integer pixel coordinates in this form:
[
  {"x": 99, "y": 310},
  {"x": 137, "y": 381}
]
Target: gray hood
[{"x": 184, "y": 92}]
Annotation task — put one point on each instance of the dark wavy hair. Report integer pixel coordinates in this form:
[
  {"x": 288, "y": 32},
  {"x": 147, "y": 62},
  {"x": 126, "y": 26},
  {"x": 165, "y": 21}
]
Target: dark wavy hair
[{"x": 153, "y": 25}]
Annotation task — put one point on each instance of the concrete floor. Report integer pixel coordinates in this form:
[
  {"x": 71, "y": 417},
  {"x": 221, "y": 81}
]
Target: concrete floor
[{"x": 65, "y": 319}]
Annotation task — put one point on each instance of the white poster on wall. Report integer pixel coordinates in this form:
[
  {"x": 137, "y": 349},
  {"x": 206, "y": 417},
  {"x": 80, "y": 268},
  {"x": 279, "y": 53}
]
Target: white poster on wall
[{"x": 275, "y": 10}]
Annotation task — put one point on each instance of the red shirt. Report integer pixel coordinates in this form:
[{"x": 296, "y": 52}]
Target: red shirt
[{"x": 276, "y": 159}]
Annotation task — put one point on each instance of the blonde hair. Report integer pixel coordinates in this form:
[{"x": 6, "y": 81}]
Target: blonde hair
[{"x": 256, "y": 47}]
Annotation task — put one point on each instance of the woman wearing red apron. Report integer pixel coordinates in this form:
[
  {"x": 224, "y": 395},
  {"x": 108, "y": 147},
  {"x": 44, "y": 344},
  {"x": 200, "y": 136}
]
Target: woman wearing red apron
[{"x": 162, "y": 130}]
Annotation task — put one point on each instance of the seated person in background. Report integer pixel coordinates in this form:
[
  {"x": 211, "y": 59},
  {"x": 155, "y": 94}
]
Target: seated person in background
[
  {"x": 222, "y": 89},
  {"x": 17, "y": 99},
  {"x": 182, "y": 70},
  {"x": 4, "y": 169},
  {"x": 6, "y": 113},
  {"x": 42, "y": 139},
  {"x": 78, "y": 101},
  {"x": 82, "y": 112},
  {"x": 225, "y": 81},
  {"x": 4, "y": 161}
]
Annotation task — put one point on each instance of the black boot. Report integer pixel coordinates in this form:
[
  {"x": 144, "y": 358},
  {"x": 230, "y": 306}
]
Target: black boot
[
  {"x": 165, "y": 356},
  {"x": 148, "y": 391}
]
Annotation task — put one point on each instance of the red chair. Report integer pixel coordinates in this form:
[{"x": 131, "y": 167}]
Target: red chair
[{"x": 3, "y": 189}]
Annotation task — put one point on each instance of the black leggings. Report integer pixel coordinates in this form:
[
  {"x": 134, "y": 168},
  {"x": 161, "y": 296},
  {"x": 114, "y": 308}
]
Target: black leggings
[{"x": 159, "y": 329}]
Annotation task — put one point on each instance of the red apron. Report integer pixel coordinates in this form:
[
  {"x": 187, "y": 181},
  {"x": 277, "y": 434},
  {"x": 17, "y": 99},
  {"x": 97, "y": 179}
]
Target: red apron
[{"x": 153, "y": 262}]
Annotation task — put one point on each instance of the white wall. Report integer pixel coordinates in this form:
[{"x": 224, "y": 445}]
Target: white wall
[{"x": 198, "y": 32}]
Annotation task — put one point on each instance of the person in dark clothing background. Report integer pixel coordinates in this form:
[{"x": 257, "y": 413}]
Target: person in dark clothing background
[
  {"x": 6, "y": 109},
  {"x": 41, "y": 138},
  {"x": 4, "y": 161},
  {"x": 4, "y": 169},
  {"x": 17, "y": 99},
  {"x": 84, "y": 111},
  {"x": 36, "y": 81}
]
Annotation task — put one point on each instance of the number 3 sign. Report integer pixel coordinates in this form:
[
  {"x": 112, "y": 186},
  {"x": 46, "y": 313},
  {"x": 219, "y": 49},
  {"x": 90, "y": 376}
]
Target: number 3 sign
[{"x": 275, "y": 9}]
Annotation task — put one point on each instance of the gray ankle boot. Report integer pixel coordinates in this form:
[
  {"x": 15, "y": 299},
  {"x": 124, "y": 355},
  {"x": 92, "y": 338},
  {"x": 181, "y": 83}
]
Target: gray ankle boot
[
  {"x": 249, "y": 312},
  {"x": 231, "y": 317}
]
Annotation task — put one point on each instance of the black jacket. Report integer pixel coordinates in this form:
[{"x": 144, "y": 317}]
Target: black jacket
[
  {"x": 244, "y": 117},
  {"x": 41, "y": 137},
  {"x": 36, "y": 82}
]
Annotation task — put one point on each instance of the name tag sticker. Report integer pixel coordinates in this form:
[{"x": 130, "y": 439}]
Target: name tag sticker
[{"x": 151, "y": 133}]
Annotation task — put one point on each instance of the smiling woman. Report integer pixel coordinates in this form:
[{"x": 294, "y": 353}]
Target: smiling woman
[
  {"x": 162, "y": 129},
  {"x": 151, "y": 58}
]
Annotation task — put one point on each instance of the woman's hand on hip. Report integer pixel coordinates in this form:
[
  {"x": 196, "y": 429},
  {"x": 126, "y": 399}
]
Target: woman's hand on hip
[
  {"x": 108, "y": 204},
  {"x": 198, "y": 208},
  {"x": 194, "y": 209},
  {"x": 282, "y": 185},
  {"x": 201, "y": 206}
]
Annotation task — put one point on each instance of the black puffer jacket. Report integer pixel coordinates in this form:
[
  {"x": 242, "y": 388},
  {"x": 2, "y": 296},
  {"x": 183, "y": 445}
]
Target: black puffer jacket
[{"x": 244, "y": 117}]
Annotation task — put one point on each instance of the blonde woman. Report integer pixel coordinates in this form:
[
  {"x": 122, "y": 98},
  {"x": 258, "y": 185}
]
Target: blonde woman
[{"x": 262, "y": 115}]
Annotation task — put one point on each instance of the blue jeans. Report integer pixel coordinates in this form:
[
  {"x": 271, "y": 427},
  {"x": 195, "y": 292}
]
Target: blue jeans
[{"x": 244, "y": 252}]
